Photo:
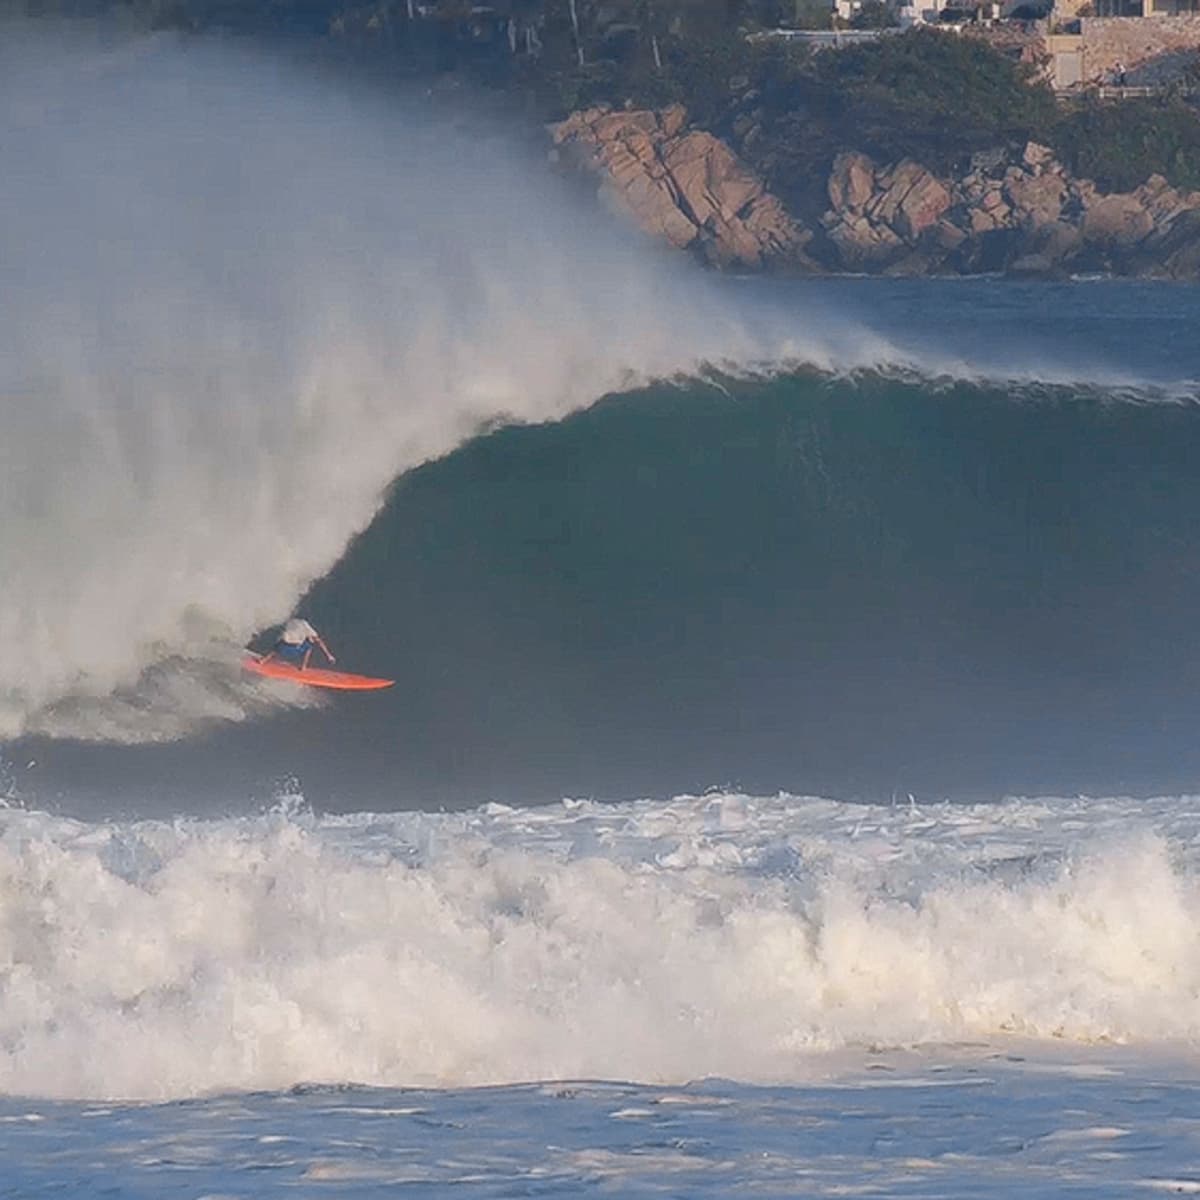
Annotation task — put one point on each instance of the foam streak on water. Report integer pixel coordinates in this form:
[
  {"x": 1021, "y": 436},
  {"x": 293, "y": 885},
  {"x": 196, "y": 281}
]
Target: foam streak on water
[
  {"x": 972, "y": 1123},
  {"x": 720, "y": 935}
]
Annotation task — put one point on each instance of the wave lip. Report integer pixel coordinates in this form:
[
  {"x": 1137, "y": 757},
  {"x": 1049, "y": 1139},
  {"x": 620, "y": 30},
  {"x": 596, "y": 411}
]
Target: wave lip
[{"x": 718, "y": 935}]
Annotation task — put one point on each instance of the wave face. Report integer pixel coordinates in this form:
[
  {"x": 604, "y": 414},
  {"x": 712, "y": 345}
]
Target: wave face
[
  {"x": 865, "y": 586},
  {"x": 654, "y": 942},
  {"x": 240, "y": 299}
]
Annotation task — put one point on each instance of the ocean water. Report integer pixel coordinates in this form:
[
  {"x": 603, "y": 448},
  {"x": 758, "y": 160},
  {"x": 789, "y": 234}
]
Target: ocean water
[
  {"x": 789, "y": 784},
  {"x": 712, "y": 995}
]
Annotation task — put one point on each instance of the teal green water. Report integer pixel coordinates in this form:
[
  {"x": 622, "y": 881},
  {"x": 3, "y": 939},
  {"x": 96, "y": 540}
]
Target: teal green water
[{"x": 810, "y": 583}]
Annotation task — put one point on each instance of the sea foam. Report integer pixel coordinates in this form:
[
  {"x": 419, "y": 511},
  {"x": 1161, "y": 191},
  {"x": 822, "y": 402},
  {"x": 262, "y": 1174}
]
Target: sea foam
[{"x": 719, "y": 935}]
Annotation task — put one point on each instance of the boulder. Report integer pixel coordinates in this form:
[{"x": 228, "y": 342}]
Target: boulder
[
  {"x": 1047, "y": 250},
  {"x": 922, "y": 207},
  {"x": 909, "y": 199},
  {"x": 992, "y": 212},
  {"x": 946, "y": 235},
  {"x": 981, "y": 221},
  {"x": 1163, "y": 202},
  {"x": 644, "y": 200},
  {"x": 1060, "y": 239},
  {"x": 1120, "y": 219},
  {"x": 708, "y": 177},
  {"x": 892, "y": 186},
  {"x": 973, "y": 187},
  {"x": 687, "y": 188},
  {"x": 993, "y": 200},
  {"x": 673, "y": 120},
  {"x": 1037, "y": 157},
  {"x": 617, "y": 126},
  {"x": 1180, "y": 252},
  {"x": 1173, "y": 250},
  {"x": 851, "y": 182},
  {"x": 861, "y": 244},
  {"x": 1036, "y": 200}
]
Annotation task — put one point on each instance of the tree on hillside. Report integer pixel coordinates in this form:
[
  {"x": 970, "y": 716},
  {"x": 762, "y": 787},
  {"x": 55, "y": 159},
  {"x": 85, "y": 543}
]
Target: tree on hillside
[
  {"x": 874, "y": 14},
  {"x": 1121, "y": 144},
  {"x": 932, "y": 95}
]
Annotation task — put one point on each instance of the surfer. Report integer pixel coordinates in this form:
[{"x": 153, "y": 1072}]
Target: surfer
[{"x": 296, "y": 642}]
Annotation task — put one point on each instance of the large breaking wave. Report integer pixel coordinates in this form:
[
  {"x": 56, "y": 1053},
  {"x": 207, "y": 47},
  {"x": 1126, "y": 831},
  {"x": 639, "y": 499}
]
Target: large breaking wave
[{"x": 239, "y": 300}]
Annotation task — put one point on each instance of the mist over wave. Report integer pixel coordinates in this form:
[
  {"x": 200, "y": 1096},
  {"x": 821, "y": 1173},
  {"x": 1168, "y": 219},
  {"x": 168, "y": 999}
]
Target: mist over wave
[
  {"x": 240, "y": 299},
  {"x": 652, "y": 942}
]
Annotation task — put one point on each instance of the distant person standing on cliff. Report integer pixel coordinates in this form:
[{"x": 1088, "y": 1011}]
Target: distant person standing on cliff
[{"x": 1119, "y": 73}]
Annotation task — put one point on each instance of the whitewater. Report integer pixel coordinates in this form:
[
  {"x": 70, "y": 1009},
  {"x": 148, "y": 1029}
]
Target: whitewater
[
  {"x": 708, "y": 936},
  {"x": 888, "y": 998},
  {"x": 790, "y": 784}
]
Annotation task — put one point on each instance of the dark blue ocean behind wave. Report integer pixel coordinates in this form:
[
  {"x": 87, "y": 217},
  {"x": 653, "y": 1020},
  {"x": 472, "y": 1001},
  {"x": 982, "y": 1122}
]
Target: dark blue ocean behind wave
[{"x": 852, "y": 585}]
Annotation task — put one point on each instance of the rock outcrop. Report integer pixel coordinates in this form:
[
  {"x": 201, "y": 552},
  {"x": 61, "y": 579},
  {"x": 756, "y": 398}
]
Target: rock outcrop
[
  {"x": 1019, "y": 211},
  {"x": 686, "y": 187}
]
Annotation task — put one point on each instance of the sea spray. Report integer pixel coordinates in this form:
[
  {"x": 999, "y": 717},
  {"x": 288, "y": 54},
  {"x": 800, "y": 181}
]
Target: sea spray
[{"x": 240, "y": 299}]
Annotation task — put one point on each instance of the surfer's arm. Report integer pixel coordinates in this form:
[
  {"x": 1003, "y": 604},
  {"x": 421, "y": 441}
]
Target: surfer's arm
[{"x": 324, "y": 648}]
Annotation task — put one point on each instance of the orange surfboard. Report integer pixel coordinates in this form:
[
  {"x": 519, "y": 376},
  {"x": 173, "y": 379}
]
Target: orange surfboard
[{"x": 313, "y": 676}]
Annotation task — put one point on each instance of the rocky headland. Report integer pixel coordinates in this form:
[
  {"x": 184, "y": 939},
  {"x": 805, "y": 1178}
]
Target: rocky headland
[
  {"x": 1015, "y": 210},
  {"x": 683, "y": 185}
]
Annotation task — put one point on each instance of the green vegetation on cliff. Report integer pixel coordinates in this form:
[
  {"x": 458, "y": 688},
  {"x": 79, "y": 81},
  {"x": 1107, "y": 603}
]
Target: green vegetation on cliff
[
  {"x": 924, "y": 94},
  {"x": 1120, "y": 144}
]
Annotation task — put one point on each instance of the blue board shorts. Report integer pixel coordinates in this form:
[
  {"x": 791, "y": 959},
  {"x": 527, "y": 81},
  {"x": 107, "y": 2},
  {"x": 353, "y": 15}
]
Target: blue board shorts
[{"x": 293, "y": 652}]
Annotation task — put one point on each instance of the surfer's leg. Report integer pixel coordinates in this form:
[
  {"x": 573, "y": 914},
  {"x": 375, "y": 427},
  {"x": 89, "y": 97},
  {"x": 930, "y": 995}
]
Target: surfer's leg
[{"x": 289, "y": 652}]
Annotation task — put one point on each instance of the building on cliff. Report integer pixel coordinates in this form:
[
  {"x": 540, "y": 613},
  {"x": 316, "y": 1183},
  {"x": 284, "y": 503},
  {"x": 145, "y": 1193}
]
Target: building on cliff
[{"x": 1136, "y": 51}]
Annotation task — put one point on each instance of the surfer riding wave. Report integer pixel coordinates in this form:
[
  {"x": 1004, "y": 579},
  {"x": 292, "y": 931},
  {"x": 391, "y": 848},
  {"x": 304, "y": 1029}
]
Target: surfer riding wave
[{"x": 295, "y": 644}]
